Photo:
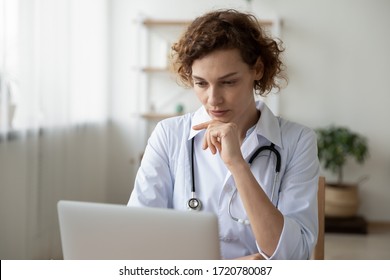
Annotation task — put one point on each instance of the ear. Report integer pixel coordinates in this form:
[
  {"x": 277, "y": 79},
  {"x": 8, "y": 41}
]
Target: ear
[{"x": 259, "y": 69}]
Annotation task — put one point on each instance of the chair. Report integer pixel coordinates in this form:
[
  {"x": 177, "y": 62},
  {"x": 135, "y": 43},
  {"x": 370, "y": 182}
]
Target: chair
[{"x": 319, "y": 249}]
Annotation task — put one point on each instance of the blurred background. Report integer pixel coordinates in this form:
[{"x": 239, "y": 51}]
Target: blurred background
[{"x": 82, "y": 83}]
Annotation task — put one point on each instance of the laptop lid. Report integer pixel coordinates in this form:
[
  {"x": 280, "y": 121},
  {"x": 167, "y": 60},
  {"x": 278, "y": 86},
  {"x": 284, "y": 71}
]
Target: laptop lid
[{"x": 109, "y": 231}]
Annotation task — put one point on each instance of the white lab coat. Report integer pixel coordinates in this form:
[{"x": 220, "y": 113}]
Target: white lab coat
[{"x": 164, "y": 180}]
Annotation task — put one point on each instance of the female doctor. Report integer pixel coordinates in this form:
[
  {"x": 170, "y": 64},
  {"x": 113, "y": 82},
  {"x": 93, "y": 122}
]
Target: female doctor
[{"x": 257, "y": 172}]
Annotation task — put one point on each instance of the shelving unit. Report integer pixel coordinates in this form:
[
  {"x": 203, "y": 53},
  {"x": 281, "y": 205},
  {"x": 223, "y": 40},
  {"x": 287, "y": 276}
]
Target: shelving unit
[
  {"x": 165, "y": 22},
  {"x": 159, "y": 94},
  {"x": 154, "y": 69},
  {"x": 157, "y": 116}
]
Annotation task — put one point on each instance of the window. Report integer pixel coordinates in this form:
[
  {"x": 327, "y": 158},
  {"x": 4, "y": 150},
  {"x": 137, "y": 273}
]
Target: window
[
  {"x": 8, "y": 62},
  {"x": 53, "y": 64}
]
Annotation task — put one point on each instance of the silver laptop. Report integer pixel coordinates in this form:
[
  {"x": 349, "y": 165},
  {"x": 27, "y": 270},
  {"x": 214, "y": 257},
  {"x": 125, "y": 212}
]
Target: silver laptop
[{"x": 108, "y": 231}]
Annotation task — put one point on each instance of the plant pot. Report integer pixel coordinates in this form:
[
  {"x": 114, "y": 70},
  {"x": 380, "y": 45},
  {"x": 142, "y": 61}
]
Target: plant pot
[{"x": 341, "y": 200}]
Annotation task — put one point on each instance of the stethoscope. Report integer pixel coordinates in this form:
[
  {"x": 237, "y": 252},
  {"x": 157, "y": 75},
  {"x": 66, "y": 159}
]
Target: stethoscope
[{"x": 195, "y": 204}]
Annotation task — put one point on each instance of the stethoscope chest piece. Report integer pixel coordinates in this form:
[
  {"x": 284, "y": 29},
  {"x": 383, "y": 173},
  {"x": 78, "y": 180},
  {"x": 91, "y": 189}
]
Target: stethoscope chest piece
[{"x": 194, "y": 204}]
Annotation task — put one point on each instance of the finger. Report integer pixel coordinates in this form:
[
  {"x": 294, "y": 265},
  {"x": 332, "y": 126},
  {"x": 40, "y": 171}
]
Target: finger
[
  {"x": 201, "y": 126},
  {"x": 204, "y": 141},
  {"x": 216, "y": 143},
  {"x": 209, "y": 142}
]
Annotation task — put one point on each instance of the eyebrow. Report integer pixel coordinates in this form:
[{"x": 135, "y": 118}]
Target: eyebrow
[{"x": 220, "y": 78}]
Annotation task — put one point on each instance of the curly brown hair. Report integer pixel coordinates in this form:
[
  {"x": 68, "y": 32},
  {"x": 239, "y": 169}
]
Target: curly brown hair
[{"x": 229, "y": 29}]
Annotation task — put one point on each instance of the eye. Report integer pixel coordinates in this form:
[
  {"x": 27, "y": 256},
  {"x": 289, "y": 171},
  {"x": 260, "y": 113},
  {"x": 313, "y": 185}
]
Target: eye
[
  {"x": 229, "y": 82},
  {"x": 201, "y": 84}
]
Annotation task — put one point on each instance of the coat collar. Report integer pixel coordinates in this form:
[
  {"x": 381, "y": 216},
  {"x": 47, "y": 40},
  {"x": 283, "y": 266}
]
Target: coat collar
[{"x": 267, "y": 126}]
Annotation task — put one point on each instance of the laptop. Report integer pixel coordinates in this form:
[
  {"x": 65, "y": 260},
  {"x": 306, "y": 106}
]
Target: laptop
[{"x": 96, "y": 231}]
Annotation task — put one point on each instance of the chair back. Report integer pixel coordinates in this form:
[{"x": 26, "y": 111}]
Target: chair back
[{"x": 319, "y": 249}]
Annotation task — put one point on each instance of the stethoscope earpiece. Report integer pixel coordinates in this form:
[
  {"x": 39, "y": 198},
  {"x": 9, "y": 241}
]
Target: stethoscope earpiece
[{"x": 194, "y": 204}]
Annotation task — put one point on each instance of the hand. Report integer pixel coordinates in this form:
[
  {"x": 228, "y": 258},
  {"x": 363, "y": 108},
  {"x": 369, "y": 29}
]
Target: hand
[
  {"x": 256, "y": 256},
  {"x": 221, "y": 137}
]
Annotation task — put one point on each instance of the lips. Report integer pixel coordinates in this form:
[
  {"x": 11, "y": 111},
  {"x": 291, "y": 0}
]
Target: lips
[{"x": 218, "y": 113}]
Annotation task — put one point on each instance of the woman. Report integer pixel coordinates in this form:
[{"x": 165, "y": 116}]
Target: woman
[{"x": 266, "y": 208}]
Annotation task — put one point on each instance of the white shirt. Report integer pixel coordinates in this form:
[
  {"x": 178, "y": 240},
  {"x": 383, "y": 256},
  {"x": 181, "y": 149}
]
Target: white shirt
[{"x": 164, "y": 180}]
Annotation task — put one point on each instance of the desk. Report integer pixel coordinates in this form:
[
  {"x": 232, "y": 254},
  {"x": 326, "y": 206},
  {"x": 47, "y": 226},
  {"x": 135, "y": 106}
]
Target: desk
[{"x": 346, "y": 225}]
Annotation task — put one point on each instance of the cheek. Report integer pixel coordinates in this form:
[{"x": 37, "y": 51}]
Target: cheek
[{"x": 201, "y": 95}]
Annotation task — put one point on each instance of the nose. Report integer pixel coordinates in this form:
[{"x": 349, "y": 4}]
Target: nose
[{"x": 215, "y": 96}]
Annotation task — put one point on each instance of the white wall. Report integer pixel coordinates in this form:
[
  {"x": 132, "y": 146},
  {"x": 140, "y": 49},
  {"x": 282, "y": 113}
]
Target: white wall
[
  {"x": 337, "y": 58},
  {"x": 337, "y": 53}
]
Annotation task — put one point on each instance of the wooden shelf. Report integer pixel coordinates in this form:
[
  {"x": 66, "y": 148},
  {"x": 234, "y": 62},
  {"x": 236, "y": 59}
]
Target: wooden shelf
[
  {"x": 158, "y": 116},
  {"x": 155, "y": 69},
  {"x": 162, "y": 22},
  {"x": 266, "y": 22}
]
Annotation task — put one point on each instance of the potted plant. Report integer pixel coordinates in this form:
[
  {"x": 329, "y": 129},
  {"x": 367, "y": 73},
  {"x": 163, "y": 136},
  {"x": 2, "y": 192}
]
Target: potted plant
[{"x": 335, "y": 146}]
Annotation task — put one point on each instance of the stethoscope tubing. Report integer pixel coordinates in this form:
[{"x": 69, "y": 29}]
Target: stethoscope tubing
[
  {"x": 195, "y": 203},
  {"x": 272, "y": 149}
]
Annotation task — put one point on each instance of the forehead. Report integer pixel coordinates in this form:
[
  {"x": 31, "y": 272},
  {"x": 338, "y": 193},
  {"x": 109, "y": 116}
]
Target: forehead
[{"x": 219, "y": 62}]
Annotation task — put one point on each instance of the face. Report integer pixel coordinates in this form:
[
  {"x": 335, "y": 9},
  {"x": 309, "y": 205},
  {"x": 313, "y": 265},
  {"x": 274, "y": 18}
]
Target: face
[{"x": 223, "y": 83}]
